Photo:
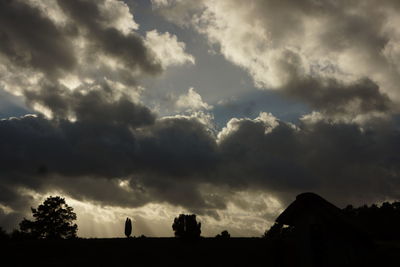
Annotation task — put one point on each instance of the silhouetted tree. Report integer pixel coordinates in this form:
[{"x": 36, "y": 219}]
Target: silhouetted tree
[
  {"x": 128, "y": 227},
  {"x": 186, "y": 226},
  {"x": 53, "y": 219},
  {"x": 223, "y": 234},
  {"x": 381, "y": 222},
  {"x": 3, "y": 234}
]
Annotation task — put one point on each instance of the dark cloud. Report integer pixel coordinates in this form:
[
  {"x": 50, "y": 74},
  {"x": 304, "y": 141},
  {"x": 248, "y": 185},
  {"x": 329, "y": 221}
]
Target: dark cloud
[
  {"x": 31, "y": 40},
  {"x": 95, "y": 104},
  {"x": 170, "y": 159},
  {"x": 342, "y": 161},
  {"x": 128, "y": 48},
  {"x": 332, "y": 96},
  {"x": 36, "y": 146},
  {"x": 179, "y": 147}
]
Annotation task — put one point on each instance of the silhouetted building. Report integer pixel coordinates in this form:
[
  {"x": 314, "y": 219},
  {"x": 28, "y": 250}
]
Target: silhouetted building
[{"x": 313, "y": 232}]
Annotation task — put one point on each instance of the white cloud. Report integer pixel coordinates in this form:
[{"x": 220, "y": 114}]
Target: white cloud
[
  {"x": 288, "y": 44},
  {"x": 168, "y": 49},
  {"x": 192, "y": 101},
  {"x": 119, "y": 16},
  {"x": 266, "y": 120}
]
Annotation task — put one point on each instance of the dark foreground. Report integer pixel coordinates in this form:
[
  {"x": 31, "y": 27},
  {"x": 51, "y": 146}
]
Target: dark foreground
[{"x": 167, "y": 252}]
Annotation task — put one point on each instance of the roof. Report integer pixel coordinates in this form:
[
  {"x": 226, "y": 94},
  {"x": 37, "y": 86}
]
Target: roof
[{"x": 310, "y": 203}]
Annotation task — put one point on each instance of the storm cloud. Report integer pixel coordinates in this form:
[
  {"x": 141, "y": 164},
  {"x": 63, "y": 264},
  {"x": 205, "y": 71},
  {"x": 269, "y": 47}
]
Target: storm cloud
[
  {"x": 47, "y": 48},
  {"x": 128, "y": 48},
  {"x": 168, "y": 160}
]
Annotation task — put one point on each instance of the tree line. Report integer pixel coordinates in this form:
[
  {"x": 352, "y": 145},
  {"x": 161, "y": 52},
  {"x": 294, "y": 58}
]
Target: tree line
[
  {"x": 54, "y": 219},
  {"x": 381, "y": 222}
]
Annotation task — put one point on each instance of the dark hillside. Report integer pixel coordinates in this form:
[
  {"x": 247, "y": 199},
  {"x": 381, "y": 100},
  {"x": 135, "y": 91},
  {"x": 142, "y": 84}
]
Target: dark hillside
[
  {"x": 136, "y": 252},
  {"x": 162, "y": 252}
]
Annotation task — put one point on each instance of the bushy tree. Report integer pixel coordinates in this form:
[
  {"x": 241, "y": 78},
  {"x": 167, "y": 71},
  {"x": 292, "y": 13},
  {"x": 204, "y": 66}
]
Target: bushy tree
[
  {"x": 128, "y": 227},
  {"x": 53, "y": 220},
  {"x": 186, "y": 226},
  {"x": 223, "y": 234}
]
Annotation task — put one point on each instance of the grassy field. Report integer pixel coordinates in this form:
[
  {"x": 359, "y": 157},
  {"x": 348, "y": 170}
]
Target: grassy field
[
  {"x": 135, "y": 252},
  {"x": 160, "y": 252}
]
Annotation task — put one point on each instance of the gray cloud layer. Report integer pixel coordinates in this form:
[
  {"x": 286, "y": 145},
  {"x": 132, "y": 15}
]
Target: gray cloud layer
[{"x": 169, "y": 159}]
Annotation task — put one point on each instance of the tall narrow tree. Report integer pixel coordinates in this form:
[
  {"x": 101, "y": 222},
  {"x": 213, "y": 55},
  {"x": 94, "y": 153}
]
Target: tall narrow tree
[{"x": 128, "y": 227}]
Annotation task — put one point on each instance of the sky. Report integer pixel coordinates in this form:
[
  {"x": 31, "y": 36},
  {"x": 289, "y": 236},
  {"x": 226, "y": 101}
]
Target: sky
[{"x": 227, "y": 109}]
